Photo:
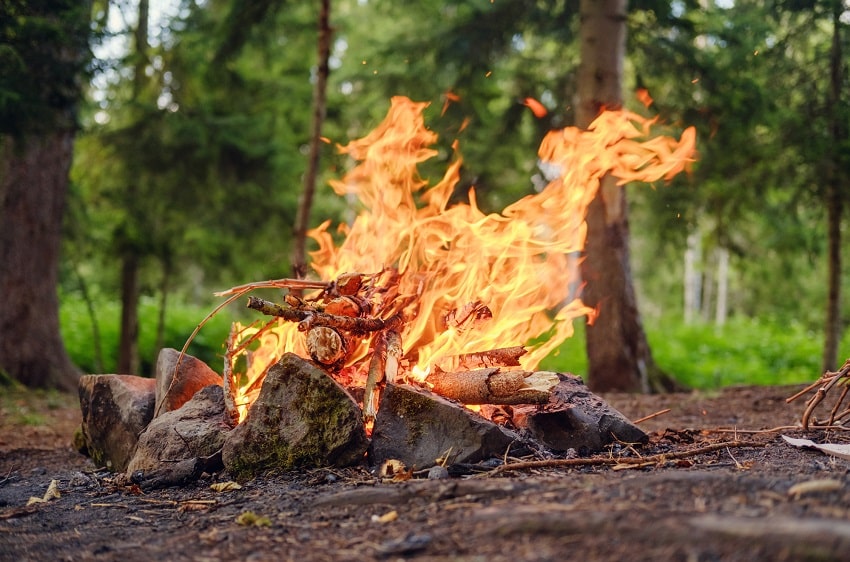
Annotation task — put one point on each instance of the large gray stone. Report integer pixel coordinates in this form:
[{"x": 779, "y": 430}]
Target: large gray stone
[
  {"x": 115, "y": 410},
  {"x": 175, "y": 387},
  {"x": 575, "y": 418},
  {"x": 418, "y": 427},
  {"x": 301, "y": 418},
  {"x": 195, "y": 430}
]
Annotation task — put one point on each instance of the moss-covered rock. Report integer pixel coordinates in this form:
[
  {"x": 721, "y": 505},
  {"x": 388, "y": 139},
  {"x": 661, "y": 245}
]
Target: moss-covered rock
[{"x": 302, "y": 418}]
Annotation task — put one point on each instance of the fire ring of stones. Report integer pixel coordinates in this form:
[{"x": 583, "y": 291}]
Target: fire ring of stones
[{"x": 169, "y": 430}]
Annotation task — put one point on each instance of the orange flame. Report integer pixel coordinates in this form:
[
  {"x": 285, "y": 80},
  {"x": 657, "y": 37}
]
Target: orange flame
[{"x": 449, "y": 256}]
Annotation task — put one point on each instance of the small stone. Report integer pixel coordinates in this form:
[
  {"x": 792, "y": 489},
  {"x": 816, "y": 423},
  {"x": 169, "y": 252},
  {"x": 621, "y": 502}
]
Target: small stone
[{"x": 438, "y": 472}]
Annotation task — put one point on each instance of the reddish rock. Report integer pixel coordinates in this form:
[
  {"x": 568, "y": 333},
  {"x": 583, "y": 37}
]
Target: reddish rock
[
  {"x": 301, "y": 418},
  {"x": 116, "y": 409},
  {"x": 192, "y": 375}
]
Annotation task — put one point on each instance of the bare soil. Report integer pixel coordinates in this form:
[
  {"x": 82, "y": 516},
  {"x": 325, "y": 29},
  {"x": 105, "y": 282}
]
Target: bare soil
[{"x": 729, "y": 504}]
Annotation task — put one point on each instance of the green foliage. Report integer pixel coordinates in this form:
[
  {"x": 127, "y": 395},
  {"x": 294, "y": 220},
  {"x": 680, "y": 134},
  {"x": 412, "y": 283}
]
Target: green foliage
[
  {"x": 38, "y": 40},
  {"x": 77, "y": 333},
  {"x": 703, "y": 356}
]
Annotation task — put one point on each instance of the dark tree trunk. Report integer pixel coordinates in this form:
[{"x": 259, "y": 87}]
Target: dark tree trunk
[
  {"x": 33, "y": 189},
  {"x": 618, "y": 353},
  {"x": 128, "y": 345},
  {"x": 302, "y": 220},
  {"x": 835, "y": 179}
]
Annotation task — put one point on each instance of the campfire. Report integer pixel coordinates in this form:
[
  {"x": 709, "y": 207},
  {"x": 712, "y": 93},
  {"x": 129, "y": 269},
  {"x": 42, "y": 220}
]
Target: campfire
[
  {"x": 448, "y": 287},
  {"x": 431, "y": 297}
]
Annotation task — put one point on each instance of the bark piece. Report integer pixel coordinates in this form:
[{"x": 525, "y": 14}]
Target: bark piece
[
  {"x": 177, "y": 385},
  {"x": 195, "y": 430},
  {"x": 418, "y": 427},
  {"x": 302, "y": 417},
  {"x": 115, "y": 409},
  {"x": 494, "y": 386},
  {"x": 575, "y": 418}
]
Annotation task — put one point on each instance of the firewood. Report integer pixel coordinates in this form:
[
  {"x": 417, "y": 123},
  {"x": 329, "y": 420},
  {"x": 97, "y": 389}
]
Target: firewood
[
  {"x": 326, "y": 345},
  {"x": 501, "y": 357},
  {"x": 229, "y": 379},
  {"x": 493, "y": 386},
  {"x": 310, "y": 319},
  {"x": 383, "y": 368}
]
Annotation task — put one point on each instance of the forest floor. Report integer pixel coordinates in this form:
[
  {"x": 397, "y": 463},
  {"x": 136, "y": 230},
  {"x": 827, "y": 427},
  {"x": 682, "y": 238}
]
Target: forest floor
[{"x": 764, "y": 501}]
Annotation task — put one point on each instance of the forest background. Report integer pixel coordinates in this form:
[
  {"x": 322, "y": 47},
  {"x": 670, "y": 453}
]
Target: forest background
[{"x": 194, "y": 142}]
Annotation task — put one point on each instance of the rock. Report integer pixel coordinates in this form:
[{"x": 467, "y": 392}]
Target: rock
[
  {"x": 302, "y": 417},
  {"x": 195, "y": 430},
  {"x": 575, "y": 418},
  {"x": 192, "y": 376},
  {"x": 418, "y": 427},
  {"x": 116, "y": 409}
]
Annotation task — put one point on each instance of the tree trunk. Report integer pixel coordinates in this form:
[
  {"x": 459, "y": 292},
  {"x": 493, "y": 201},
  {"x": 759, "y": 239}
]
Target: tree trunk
[
  {"x": 302, "y": 220},
  {"x": 834, "y": 200},
  {"x": 128, "y": 345},
  {"x": 33, "y": 189},
  {"x": 617, "y": 349}
]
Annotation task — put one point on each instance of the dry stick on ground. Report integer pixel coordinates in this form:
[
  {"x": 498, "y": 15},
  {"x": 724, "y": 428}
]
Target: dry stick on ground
[
  {"x": 827, "y": 381},
  {"x": 604, "y": 461},
  {"x": 650, "y": 416}
]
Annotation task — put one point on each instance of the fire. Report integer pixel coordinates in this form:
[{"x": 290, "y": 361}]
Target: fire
[{"x": 515, "y": 265}]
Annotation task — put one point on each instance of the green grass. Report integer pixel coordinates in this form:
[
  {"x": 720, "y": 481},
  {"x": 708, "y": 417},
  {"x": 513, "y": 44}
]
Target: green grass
[
  {"x": 744, "y": 351},
  {"x": 181, "y": 320}
]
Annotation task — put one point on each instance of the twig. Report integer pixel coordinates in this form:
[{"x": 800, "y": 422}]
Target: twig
[
  {"x": 275, "y": 284},
  {"x": 605, "y": 461},
  {"x": 650, "y": 416}
]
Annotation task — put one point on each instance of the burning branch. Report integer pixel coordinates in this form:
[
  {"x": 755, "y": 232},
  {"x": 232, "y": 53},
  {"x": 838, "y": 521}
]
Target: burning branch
[{"x": 308, "y": 319}]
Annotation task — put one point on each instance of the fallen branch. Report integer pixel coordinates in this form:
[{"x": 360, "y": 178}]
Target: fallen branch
[
  {"x": 827, "y": 382},
  {"x": 609, "y": 461}
]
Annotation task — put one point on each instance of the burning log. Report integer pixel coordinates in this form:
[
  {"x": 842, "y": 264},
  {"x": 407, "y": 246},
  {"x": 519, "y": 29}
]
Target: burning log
[
  {"x": 501, "y": 357},
  {"x": 326, "y": 346},
  {"x": 494, "y": 386}
]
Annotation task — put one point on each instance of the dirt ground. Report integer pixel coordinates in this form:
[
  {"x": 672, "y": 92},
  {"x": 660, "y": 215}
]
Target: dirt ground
[{"x": 735, "y": 503}]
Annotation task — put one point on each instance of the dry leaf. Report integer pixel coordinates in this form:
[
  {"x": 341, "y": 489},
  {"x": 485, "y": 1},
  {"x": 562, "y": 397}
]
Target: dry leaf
[
  {"x": 834, "y": 449},
  {"x": 249, "y": 518},
  {"x": 386, "y": 517},
  {"x": 225, "y": 486},
  {"x": 51, "y": 493}
]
